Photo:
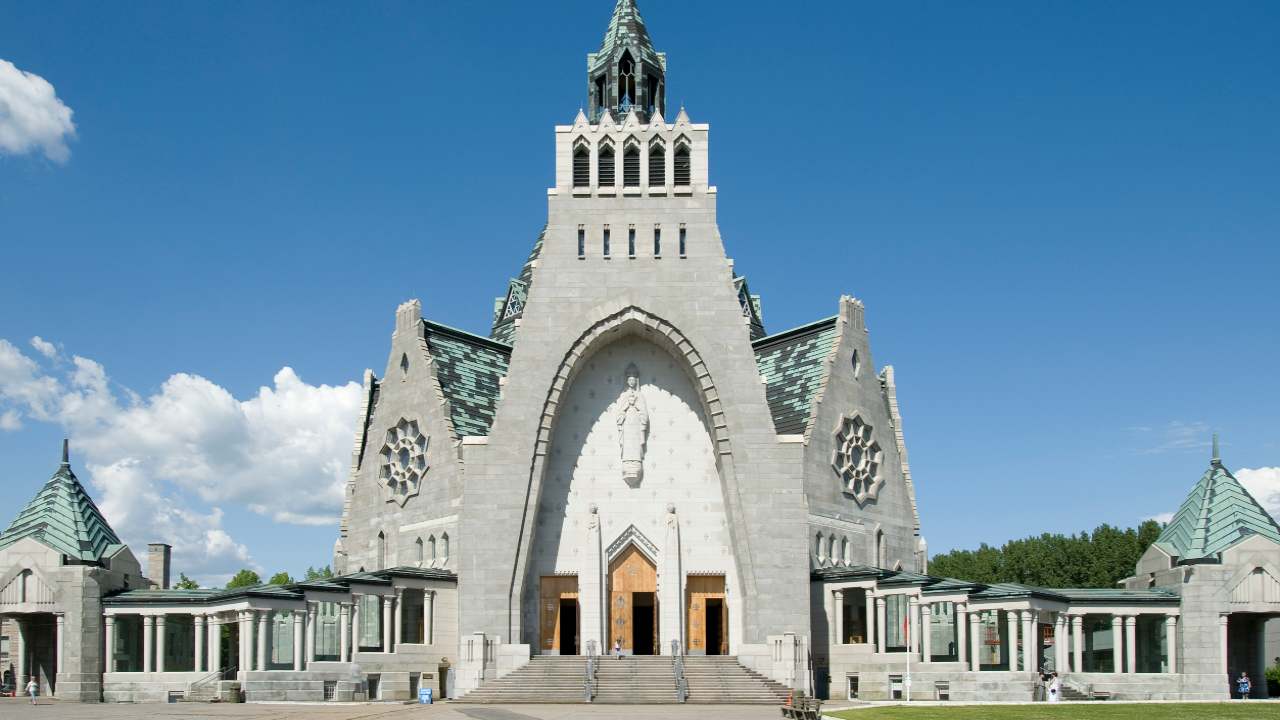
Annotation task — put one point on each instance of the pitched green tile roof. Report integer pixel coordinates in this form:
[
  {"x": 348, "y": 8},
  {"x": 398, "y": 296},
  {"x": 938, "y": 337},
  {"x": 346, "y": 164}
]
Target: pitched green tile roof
[
  {"x": 626, "y": 30},
  {"x": 931, "y": 585},
  {"x": 792, "y": 364},
  {"x": 469, "y": 368},
  {"x": 509, "y": 308},
  {"x": 63, "y": 516},
  {"x": 294, "y": 591},
  {"x": 1217, "y": 514}
]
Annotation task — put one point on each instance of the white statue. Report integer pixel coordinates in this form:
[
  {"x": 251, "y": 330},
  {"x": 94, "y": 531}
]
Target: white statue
[{"x": 633, "y": 427}]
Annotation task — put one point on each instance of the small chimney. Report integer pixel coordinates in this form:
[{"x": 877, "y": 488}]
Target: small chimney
[{"x": 158, "y": 555}]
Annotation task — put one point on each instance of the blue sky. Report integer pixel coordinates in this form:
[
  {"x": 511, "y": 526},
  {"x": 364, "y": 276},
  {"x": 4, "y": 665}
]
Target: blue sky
[{"x": 1062, "y": 218}]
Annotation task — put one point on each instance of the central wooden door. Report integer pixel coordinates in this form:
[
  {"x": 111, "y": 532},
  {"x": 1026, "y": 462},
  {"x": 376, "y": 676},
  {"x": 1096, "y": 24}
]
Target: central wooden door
[
  {"x": 558, "y": 614},
  {"x": 708, "y": 615},
  {"x": 633, "y": 608}
]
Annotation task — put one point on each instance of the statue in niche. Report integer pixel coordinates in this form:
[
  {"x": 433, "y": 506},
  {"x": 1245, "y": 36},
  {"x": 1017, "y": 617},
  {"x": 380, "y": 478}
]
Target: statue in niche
[{"x": 633, "y": 427}]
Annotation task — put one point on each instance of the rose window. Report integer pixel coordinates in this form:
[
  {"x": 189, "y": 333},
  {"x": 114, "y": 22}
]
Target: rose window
[
  {"x": 404, "y": 460},
  {"x": 856, "y": 459}
]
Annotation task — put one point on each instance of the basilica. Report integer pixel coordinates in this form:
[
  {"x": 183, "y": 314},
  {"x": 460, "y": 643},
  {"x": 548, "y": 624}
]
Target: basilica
[{"x": 629, "y": 462}]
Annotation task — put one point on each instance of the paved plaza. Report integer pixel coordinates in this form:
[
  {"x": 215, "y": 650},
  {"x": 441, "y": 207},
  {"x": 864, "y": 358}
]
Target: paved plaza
[{"x": 21, "y": 708}]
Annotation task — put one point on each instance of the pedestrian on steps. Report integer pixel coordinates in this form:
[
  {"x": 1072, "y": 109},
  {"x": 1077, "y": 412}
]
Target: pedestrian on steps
[
  {"x": 617, "y": 648},
  {"x": 32, "y": 687}
]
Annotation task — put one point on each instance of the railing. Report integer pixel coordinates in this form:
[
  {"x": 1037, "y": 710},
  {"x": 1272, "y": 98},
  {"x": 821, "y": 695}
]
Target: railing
[
  {"x": 677, "y": 669},
  {"x": 204, "y": 681},
  {"x": 589, "y": 681}
]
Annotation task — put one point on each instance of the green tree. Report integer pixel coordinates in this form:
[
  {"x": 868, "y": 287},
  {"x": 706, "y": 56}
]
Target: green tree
[
  {"x": 185, "y": 583},
  {"x": 244, "y": 578},
  {"x": 280, "y": 578},
  {"x": 320, "y": 574}
]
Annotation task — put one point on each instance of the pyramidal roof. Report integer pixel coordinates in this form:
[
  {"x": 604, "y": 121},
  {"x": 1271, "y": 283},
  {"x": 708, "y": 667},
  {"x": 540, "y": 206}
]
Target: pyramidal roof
[
  {"x": 63, "y": 516},
  {"x": 626, "y": 29},
  {"x": 1217, "y": 514}
]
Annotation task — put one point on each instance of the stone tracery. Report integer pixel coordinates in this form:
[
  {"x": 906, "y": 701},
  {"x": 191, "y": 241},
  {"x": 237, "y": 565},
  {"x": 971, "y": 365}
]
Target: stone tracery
[
  {"x": 404, "y": 460},
  {"x": 856, "y": 458}
]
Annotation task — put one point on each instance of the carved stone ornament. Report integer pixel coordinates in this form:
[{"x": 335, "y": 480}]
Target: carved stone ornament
[
  {"x": 633, "y": 427},
  {"x": 856, "y": 459},
  {"x": 404, "y": 461}
]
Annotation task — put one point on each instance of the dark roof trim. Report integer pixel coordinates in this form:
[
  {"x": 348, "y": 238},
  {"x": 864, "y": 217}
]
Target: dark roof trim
[
  {"x": 771, "y": 340},
  {"x": 932, "y": 585},
  {"x": 292, "y": 592},
  {"x": 437, "y": 328}
]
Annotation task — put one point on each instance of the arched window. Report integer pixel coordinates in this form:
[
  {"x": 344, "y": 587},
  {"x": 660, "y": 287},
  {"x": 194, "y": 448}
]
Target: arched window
[
  {"x": 657, "y": 166},
  {"x": 817, "y": 547},
  {"x": 431, "y": 542},
  {"x": 604, "y": 166},
  {"x": 382, "y": 551},
  {"x": 844, "y": 550},
  {"x": 444, "y": 547},
  {"x": 681, "y": 167},
  {"x": 831, "y": 549},
  {"x": 581, "y": 167},
  {"x": 24, "y": 586},
  {"x": 880, "y": 549},
  {"x": 631, "y": 167},
  {"x": 419, "y": 549},
  {"x": 626, "y": 81}
]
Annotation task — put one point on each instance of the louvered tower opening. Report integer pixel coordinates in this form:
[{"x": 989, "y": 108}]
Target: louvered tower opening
[
  {"x": 631, "y": 167},
  {"x": 604, "y": 170},
  {"x": 581, "y": 168},
  {"x": 682, "y": 167},
  {"x": 657, "y": 166}
]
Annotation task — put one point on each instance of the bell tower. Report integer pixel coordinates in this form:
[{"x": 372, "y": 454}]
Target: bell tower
[{"x": 626, "y": 72}]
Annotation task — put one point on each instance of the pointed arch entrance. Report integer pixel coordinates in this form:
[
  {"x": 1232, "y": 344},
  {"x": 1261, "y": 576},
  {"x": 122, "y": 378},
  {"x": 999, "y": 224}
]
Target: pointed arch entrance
[{"x": 633, "y": 602}]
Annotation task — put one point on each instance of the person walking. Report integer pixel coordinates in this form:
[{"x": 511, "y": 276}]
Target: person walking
[
  {"x": 1244, "y": 686},
  {"x": 1055, "y": 687},
  {"x": 32, "y": 687},
  {"x": 617, "y": 648}
]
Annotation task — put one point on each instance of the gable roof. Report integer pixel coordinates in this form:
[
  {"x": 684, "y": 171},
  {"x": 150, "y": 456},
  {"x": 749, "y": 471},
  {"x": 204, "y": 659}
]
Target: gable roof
[
  {"x": 792, "y": 364},
  {"x": 470, "y": 369},
  {"x": 64, "y": 517},
  {"x": 1217, "y": 514}
]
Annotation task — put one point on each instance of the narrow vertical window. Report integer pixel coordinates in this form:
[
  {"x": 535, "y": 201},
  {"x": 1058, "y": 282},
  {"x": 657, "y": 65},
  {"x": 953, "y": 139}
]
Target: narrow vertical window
[
  {"x": 419, "y": 548},
  {"x": 631, "y": 167},
  {"x": 581, "y": 167},
  {"x": 682, "y": 239},
  {"x": 431, "y": 545},
  {"x": 631, "y": 241},
  {"x": 582, "y": 241},
  {"x": 604, "y": 167},
  {"x": 606, "y": 241},
  {"x": 657, "y": 166},
  {"x": 657, "y": 241},
  {"x": 681, "y": 166}
]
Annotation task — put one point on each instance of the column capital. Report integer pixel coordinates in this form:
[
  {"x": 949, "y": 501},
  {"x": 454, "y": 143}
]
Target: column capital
[
  {"x": 1222, "y": 619},
  {"x": 974, "y": 618},
  {"x": 913, "y": 599},
  {"x": 926, "y": 608},
  {"x": 838, "y": 592},
  {"x": 879, "y": 601},
  {"x": 1170, "y": 619},
  {"x": 109, "y": 619},
  {"x": 1131, "y": 620}
]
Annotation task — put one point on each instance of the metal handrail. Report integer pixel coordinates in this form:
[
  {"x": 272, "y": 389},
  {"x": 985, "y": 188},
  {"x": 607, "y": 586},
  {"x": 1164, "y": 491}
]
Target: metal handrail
[
  {"x": 589, "y": 681},
  {"x": 677, "y": 669},
  {"x": 207, "y": 678}
]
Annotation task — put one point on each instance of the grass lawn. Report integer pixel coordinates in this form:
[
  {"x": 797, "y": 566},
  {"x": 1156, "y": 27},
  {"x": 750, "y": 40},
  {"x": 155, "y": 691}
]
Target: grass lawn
[{"x": 1091, "y": 711}]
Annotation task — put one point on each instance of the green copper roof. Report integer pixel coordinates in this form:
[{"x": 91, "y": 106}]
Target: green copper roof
[
  {"x": 792, "y": 364},
  {"x": 63, "y": 516},
  {"x": 931, "y": 585},
  {"x": 292, "y": 592},
  {"x": 626, "y": 30},
  {"x": 510, "y": 307},
  {"x": 1217, "y": 514},
  {"x": 469, "y": 368}
]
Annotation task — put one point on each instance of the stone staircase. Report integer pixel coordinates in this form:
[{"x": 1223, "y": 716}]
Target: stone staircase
[
  {"x": 545, "y": 679},
  {"x": 1074, "y": 694},
  {"x": 721, "y": 680},
  {"x": 636, "y": 680}
]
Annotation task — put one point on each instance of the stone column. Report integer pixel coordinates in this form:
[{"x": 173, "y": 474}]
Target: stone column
[
  {"x": 1171, "y": 641},
  {"x": 354, "y": 617},
  {"x": 312, "y": 612},
  {"x": 1059, "y": 635},
  {"x": 1117, "y": 644},
  {"x": 397, "y": 633},
  {"x": 837, "y": 621},
  {"x": 1131, "y": 644},
  {"x": 160, "y": 638},
  {"x": 109, "y": 622},
  {"x": 263, "y": 618},
  {"x": 1011, "y": 638},
  {"x": 344, "y": 632},
  {"x": 881, "y": 625},
  {"x": 298, "y": 633},
  {"x": 60, "y": 622},
  {"x": 245, "y": 640},
  {"x": 926, "y": 634},
  {"x": 1030, "y": 659},
  {"x": 215, "y": 643},
  {"x": 386, "y": 624},
  {"x": 428, "y": 616},
  {"x": 1222, "y": 646},
  {"x": 1077, "y": 642},
  {"x": 148, "y": 636},
  {"x": 975, "y": 641},
  {"x": 197, "y": 624},
  {"x": 913, "y": 625},
  {"x": 869, "y": 606},
  {"x": 962, "y": 632}
]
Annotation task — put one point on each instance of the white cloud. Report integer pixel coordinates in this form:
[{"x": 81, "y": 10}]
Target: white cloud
[
  {"x": 9, "y": 420},
  {"x": 1264, "y": 485},
  {"x": 32, "y": 118},
  {"x": 163, "y": 466},
  {"x": 44, "y": 347},
  {"x": 1162, "y": 518},
  {"x": 1176, "y": 435}
]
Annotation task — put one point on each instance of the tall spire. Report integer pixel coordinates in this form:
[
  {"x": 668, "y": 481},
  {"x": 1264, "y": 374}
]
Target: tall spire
[
  {"x": 66, "y": 453},
  {"x": 626, "y": 73},
  {"x": 1216, "y": 460}
]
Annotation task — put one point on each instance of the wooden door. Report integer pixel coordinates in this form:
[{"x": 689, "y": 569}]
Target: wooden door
[
  {"x": 701, "y": 588},
  {"x": 630, "y": 572},
  {"x": 551, "y": 590}
]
